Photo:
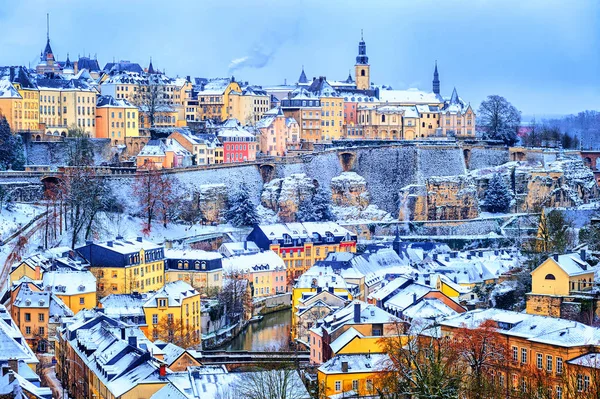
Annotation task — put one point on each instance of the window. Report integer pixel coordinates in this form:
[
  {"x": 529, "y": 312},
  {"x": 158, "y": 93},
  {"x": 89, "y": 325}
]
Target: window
[
  {"x": 539, "y": 361},
  {"x": 27, "y": 316},
  {"x": 41, "y": 317},
  {"x": 549, "y": 363},
  {"x": 162, "y": 303},
  {"x": 579, "y": 383},
  {"x": 355, "y": 385},
  {"x": 338, "y": 386},
  {"x": 550, "y": 277},
  {"x": 41, "y": 331},
  {"x": 523, "y": 355},
  {"x": 369, "y": 385},
  {"x": 559, "y": 392},
  {"x": 81, "y": 300},
  {"x": 559, "y": 365},
  {"x": 515, "y": 354},
  {"x": 586, "y": 383},
  {"x": 155, "y": 319}
]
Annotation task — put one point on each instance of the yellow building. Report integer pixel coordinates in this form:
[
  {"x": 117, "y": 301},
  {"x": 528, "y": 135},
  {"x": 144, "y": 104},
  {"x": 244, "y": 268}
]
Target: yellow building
[
  {"x": 32, "y": 267},
  {"x": 560, "y": 278},
  {"x": 176, "y": 305},
  {"x": 67, "y": 103},
  {"x": 249, "y": 105},
  {"x": 332, "y": 109},
  {"x": 354, "y": 375},
  {"x": 116, "y": 120},
  {"x": 122, "y": 266},
  {"x": 213, "y": 99},
  {"x": 77, "y": 289}
]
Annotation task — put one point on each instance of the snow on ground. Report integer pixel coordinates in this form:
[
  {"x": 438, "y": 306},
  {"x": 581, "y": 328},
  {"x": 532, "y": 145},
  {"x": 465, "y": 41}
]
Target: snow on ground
[
  {"x": 354, "y": 214},
  {"x": 20, "y": 215}
]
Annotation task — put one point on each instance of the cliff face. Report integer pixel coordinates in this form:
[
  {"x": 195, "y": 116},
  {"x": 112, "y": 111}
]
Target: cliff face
[
  {"x": 440, "y": 198},
  {"x": 352, "y": 201},
  {"x": 563, "y": 183},
  {"x": 283, "y": 196},
  {"x": 212, "y": 200}
]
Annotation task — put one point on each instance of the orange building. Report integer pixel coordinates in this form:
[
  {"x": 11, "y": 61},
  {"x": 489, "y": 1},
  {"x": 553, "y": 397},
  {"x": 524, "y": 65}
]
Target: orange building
[{"x": 116, "y": 120}]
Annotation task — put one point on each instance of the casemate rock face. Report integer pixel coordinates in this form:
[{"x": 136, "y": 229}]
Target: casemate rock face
[
  {"x": 212, "y": 200},
  {"x": 350, "y": 189},
  {"x": 283, "y": 196}
]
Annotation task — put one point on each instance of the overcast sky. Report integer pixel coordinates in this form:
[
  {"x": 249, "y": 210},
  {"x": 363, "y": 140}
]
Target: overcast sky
[{"x": 542, "y": 55}]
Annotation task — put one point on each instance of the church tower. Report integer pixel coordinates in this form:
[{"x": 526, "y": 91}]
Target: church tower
[
  {"x": 362, "y": 71},
  {"x": 436, "y": 80}
]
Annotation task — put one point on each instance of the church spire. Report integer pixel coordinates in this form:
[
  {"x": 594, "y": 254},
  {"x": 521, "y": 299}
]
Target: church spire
[
  {"x": 436, "y": 80},
  {"x": 361, "y": 58},
  {"x": 150, "y": 67},
  {"x": 48, "y": 55},
  {"x": 302, "y": 78}
]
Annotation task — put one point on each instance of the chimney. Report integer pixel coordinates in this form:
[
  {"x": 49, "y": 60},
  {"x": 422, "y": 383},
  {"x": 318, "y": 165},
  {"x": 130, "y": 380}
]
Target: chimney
[
  {"x": 496, "y": 252},
  {"x": 481, "y": 254},
  {"x": 14, "y": 365},
  {"x": 469, "y": 256},
  {"x": 319, "y": 289},
  {"x": 188, "y": 78},
  {"x": 357, "y": 312},
  {"x": 139, "y": 239},
  {"x": 414, "y": 298},
  {"x": 123, "y": 335},
  {"x": 245, "y": 245},
  {"x": 162, "y": 371},
  {"x": 330, "y": 290},
  {"x": 109, "y": 243},
  {"x": 132, "y": 339},
  {"x": 344, "y": 367},
  {"x": 582, "y": 254},
  {"x": 555, "y": 256}
]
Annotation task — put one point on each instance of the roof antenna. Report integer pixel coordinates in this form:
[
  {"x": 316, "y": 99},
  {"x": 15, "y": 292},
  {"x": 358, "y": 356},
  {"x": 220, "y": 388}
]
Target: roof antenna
[
  {"x": 48, "y": 26},
  {"x": 361, "y": 35}
]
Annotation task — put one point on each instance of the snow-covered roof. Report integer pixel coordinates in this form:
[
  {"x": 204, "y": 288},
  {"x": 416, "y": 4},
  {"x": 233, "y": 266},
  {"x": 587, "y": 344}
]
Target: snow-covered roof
[
  {"x": 12, "y": 343},
  {"x": 344, "y": 339},
  {"x": 302, "y": 230},
  {"x": 407, "y": 297},
  {"x": 234, "y": 133},
  {"x": 410, "y": 96},
  {"x": 175, "y": 292},
  {"x": 429, "y": 308},
  {"x": 194, "y": 254},
  {"x": 238, "y": 248},
  {"x": 534, "y": 328},
  {"x": 253, "y": 263},
  {"x": 359, "y": 363},
  {"x": 69, "y": 282},
  {"x": 128, "y": 246},
  {"x": 124, "y": 305},
  {"x": 572, "y": 264},
  {"x": 111, "y": 102}
]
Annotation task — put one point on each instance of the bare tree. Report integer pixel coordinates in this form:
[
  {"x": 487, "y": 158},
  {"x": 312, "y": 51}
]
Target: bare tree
[
  {"x": 173, "y": 331},
  {"x": 499, "y": 119},
  {"x": 270, "y": 384},
  {"x": 149, "y": 98},
  {"x": 153, "y": 191}
]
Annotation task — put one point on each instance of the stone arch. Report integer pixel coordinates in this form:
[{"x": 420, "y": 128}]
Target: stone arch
[
  {"x": 395, "y": 135},
  {"x": 267, "y": 172},
  {"x": 347, "y": 160},
  {"x": 50, "y": 184},
  {"x": 63, "y": 134},
  {"x": 38, "y": 138},
  {"x": 587, "y": 161}
]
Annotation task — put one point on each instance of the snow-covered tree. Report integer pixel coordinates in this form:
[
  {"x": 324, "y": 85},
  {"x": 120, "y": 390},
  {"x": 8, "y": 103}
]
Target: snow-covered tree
[
  {"x": 498, "y": 196},
  {"x": 306, "y": 212},
  {"x": 153, "y": 191},
  {"x": 499, "y": 119},
  {"x": 241, "y": 210},
  {"x": 11, "y": 148},
  {"x": 322, "y": 204}
]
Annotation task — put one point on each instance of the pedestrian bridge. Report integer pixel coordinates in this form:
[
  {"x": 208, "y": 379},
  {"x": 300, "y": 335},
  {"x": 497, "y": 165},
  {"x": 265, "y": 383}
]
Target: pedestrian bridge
[{"x": 236, "y": 359}]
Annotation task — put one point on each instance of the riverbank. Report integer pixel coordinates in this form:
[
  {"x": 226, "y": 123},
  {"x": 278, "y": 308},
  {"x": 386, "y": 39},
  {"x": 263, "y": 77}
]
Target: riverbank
[
  {"x": 272, "y": 332},
  {"x": 272, "y": 304}
]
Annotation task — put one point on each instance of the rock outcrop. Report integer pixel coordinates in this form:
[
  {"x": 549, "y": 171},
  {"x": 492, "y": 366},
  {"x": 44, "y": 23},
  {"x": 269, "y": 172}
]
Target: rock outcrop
[
  {"x": 283, "y": 196},
  {"x": 440, "y": 198},
  {"x": 351, "y": 201},
  {"x": 212, "y": 200}
]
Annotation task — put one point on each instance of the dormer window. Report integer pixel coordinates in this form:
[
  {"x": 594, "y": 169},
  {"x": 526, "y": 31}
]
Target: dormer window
[{"x": 162, "y": 303}]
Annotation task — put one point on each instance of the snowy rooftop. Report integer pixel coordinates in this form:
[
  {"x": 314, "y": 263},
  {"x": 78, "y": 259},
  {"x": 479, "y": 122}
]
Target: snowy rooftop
[
  {"x": 238, "y": 248},
  {"x": 573, "y": 265},
  {"x": 194, "y": 254},
  {"x": 411, "y": 96},
  {"x": 175, "y": 292},
  {"x": 124, "y": 305},
  {"x": 542, "y": 329},
  {"x": 253, "y": 263},
  {"x": 366, "y": 363},
  {"x": 128, "y": 246},
  {"x": 12, "y": 342},
  {"x": 429, "y": 308},
  {"x": 302, "y": 230},
  {"x": 67, "y": 282}
]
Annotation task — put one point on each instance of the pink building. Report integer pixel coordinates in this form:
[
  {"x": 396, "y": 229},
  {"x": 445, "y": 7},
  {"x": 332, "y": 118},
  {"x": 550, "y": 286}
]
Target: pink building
[{"x": 277, "y": 133}]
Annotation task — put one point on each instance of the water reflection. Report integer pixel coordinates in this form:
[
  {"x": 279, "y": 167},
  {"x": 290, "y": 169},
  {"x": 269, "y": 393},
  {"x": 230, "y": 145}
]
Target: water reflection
[{"x": 271, "y": 332}]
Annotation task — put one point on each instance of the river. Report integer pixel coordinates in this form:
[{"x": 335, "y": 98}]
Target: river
[{"x": 272, "y": 332}]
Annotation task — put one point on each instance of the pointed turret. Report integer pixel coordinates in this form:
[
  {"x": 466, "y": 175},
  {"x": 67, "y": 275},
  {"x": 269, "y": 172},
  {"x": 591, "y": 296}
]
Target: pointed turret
[
  {"x": 302, "y": 79},
  {"x": 349, "y": 78},
  {"x": 48, "y": 54},
  {"x": 68, "y": 63},
  {"x": 150, "y": 67},
  {"x": 454, "y": 98},
  {"x": 361, "y": 58},
  {"x": 436, "y": 80}
]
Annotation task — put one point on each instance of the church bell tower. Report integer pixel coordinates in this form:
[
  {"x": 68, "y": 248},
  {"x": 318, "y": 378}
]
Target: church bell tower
[{"x": 362, "y": 69}]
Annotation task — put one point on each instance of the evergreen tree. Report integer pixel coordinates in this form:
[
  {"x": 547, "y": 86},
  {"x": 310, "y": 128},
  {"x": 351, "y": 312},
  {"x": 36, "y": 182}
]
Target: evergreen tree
[
  {"x": 498, "y": 195},
  {"x": 322, "y": 205},
  {"x": 306, "y": 212},
  {"x": 11, "y": 148},
  {"x": 241, "y": 210}
]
